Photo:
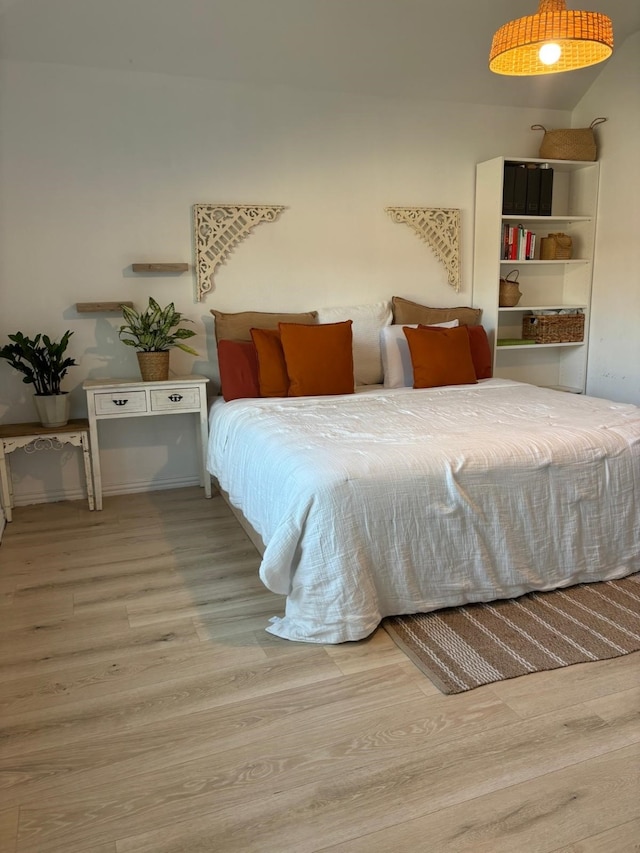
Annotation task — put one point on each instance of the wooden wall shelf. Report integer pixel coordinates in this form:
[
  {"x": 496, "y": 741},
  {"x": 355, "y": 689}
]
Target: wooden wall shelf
[
  {"x": 160, "y": 267},
  {"x": 100, "y": 307}
]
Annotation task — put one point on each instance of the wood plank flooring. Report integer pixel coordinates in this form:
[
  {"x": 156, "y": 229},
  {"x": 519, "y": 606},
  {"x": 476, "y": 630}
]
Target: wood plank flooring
[{"x": 144, "y": 709}]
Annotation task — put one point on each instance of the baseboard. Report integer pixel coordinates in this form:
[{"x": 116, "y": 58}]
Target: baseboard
[
  {"x": 145, "y": 486},
  {"x": 107, "y": 490}
]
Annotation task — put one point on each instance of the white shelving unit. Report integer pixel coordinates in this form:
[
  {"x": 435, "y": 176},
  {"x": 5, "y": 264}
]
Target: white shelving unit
[{"x": 545, "y": 285}]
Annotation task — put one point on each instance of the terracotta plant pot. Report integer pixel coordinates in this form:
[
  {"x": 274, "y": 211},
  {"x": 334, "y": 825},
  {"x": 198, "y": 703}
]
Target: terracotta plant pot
[{"x": 154, "y": 366}]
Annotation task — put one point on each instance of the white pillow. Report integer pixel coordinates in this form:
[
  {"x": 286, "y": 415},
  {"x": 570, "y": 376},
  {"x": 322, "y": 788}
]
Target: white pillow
[
  {"x": 368, "y": 320},
  {"x": 396, "y": 358}
]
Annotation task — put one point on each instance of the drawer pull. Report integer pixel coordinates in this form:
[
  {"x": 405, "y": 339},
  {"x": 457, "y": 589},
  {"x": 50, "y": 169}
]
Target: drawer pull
[
  {"x": 120, "y": 402},
  {"x": 175, "y": 398}
]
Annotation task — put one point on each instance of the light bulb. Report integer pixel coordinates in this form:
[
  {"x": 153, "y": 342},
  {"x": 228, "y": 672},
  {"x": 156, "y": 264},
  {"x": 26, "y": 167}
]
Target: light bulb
[{"x": 549, "y": 53}]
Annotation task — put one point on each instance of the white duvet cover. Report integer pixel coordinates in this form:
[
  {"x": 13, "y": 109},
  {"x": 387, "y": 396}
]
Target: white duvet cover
[{"x": 402, "y": 501}]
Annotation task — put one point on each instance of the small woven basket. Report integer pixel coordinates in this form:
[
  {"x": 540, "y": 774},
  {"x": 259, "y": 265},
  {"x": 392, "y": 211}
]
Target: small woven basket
[
  {"x": 154, "y": 366},
  {"x": 553, "y": 328},
  {"x": 569, "y": 143},
  {"x": 556, "y": 247},
  {"x": 509, "y": 294}
]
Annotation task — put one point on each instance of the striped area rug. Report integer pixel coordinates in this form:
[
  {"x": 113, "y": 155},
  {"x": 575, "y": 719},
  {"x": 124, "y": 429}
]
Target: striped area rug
[{"x": 460, "y": 648}]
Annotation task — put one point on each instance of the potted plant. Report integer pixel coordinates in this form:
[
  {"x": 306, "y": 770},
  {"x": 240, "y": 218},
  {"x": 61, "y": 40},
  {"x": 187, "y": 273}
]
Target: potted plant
[
  {"x": 44, "y": 366},
  {"x": 153, "y": 332}
]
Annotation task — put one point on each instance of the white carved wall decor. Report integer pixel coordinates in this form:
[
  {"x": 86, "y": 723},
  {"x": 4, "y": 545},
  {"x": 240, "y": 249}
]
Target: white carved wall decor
[
  {"x": 439, "y": 227},
  {"x": 218, "y": 229}
]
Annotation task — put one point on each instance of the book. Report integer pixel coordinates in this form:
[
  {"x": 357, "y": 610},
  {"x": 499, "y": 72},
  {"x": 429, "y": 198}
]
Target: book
[
  {"x": 520, "y": 191},
  {"x": 533, "y": 191},
  {"x": 522, "y": 243},
  {"x": 512, "y": 342},
  {"x": 546, "y": 191},
  {"x": 518, "y": 243},
  {"x": 527, "y": 254},
  {"x": 509, "y": 245},
  {"x": 504, "y": 254},
  {"x": 508, "y": 185},
  {"x": 513, "y": 243}
]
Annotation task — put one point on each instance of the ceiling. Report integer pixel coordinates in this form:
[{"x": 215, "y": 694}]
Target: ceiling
[{"x": 394, "y": 48}]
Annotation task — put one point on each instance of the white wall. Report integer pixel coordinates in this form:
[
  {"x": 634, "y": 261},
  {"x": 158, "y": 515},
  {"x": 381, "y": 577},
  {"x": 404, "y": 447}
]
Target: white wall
[
  {"x": 99, "y": 169},
  {"x": 614, "y": 348}
]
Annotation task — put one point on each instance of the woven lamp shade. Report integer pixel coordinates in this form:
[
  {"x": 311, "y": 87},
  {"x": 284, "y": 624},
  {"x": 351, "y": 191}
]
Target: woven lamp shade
[{"x": 585, "y": 38}]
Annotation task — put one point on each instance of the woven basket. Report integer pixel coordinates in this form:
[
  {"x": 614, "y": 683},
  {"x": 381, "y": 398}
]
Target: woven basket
[
  {"x": 509, "y": 294},
  {"x": 556, "y": 247},
  {"x": 570, "y": 143},
  {"x": 553, "y": 328},
  {"x": 154, "y": 366}
]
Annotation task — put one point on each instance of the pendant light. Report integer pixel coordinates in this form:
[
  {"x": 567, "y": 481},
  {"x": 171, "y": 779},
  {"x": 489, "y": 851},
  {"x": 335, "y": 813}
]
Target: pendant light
[{"x": 554, "y": 39}]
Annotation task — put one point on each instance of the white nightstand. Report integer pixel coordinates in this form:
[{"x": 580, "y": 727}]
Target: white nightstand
[{"x": 126, "y": 398}]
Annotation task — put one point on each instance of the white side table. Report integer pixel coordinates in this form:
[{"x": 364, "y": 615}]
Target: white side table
[
  {"x": 34, "y": 436},
  {"x": 127, "y": 398}
]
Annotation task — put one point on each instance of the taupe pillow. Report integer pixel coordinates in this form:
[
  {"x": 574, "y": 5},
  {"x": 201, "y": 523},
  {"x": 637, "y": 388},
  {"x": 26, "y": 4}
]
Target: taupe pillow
[
  {"x": 406, "y": 312},
  {"x": 237, "y": 327}
]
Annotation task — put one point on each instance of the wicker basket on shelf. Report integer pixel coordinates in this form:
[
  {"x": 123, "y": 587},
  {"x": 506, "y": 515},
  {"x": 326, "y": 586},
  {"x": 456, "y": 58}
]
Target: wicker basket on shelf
[
  {"x": 556, "y": 247},
  {"x": 568, "y": 143},
  {"x": 509, "y": 293},
  {"x": 553, "y": 328}
]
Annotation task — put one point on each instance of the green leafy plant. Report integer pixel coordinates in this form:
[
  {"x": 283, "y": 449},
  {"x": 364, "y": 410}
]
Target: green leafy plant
[
  {"x": 154, "y": 329},
  {"x": 40, "y": 359}
]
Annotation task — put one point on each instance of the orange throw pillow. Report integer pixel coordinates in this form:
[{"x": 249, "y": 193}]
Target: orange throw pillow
[
  {"x": 319, "y": 358},
  {"x": 480, "y": 349},
  {"x": 440, "y": 359},
  {"x": 238, "y": 365},
  {"x": 272, "y": 369}
]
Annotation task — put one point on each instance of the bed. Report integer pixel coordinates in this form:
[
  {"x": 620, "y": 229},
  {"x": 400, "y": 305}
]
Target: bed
[{"x": 399, "y": 500}]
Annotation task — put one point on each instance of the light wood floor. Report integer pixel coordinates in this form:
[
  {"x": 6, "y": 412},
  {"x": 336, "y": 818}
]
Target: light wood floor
[{"x": 144, "y": 709}]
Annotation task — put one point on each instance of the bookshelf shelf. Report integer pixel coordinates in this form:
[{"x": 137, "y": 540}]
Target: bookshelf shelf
[
  {"x": 526, "y": 346},
  {"x": 524, "y": 309},
  {"x": 545, "y": 219},
  {"x": 566, "y": 388},
  {"x": 538, "y": 261},
  {"x": 545, "y": 285}
]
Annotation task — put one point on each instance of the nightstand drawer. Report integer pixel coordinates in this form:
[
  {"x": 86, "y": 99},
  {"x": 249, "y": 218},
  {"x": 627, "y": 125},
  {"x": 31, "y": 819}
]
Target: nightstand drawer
[
  {"x": 120, "y": 403},
  {"x": 174, "y": 399}
]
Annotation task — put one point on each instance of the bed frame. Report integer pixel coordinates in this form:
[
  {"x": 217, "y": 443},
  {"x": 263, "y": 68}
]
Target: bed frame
[{"x": 255, "y": 537}]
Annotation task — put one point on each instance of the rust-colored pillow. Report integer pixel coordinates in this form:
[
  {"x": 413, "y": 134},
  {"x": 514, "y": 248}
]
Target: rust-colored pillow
[
  {"x": 319, "y": 358},
  {"x": 272, "y": 369},
  {"x": 407, "y": 313},
  {"x": 238, "y": 363},
  {"x": 480, "y": 349},
  {"x": 442, "y": 358},
  {"x": 237, "y": 326}
]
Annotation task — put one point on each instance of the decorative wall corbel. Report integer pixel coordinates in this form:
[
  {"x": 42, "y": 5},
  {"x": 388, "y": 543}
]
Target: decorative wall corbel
[
  {"x": 218, "y": 229},
  {"x": 439, "y": 227}
]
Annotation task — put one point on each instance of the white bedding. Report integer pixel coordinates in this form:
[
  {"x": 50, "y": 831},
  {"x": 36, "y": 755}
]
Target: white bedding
[{"x": 400, "y": 500}]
